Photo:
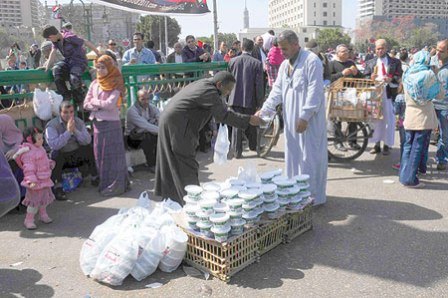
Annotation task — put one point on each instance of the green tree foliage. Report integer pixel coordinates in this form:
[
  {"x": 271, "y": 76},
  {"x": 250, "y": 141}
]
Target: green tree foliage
[
  {"x": 8, "y": 36},
  {"x": 330, "y": 38},
  {"x": 423, "y": 36},
  {"x": 228, "y": 38},
  {"x": 153, "y": 28},
  {"x": 398, "y": 31}
]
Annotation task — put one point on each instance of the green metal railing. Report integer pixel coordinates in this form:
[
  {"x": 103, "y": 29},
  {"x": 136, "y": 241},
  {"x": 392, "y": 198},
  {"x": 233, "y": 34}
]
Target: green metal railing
[{"x": 162, "y": 80}]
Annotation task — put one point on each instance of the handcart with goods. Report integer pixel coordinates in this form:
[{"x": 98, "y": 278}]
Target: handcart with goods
[{"x": 351, "y": 105}]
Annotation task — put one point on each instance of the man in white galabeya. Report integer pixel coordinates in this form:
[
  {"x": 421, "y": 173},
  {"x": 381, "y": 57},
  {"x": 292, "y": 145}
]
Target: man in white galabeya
[
  {"x": 388, "y": 70},
  {"x": 300, "y": 88}
]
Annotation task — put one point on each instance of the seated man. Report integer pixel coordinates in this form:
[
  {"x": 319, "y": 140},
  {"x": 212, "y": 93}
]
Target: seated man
[
  {"x": 70, "y": 145},
  {"x": 142, "y": 122}
]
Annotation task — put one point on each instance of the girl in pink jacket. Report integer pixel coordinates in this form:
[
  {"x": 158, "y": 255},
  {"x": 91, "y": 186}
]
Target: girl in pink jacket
[{"x": 33, "y": 159}]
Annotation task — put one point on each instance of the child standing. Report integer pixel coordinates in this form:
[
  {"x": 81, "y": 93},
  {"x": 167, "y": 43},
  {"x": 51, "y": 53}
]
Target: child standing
[{"x": 36, "y": 165}]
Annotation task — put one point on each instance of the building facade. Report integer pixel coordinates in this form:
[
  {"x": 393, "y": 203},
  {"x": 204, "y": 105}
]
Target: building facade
[
  {"x": 428, "y": 11},
  {"x": 25, "y": 13},
  {"x": 105, "y": 22},
  {"x": 303, "y": 13}
]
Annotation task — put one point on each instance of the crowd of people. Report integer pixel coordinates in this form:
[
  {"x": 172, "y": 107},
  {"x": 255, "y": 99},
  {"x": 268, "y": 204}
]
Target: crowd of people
[{"x": 262, "y": 73}]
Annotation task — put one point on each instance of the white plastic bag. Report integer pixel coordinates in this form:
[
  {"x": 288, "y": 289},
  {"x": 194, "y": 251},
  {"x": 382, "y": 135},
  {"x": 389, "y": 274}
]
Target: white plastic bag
[
  {"x": 117, "y": 260},
  {"x": 149, "y": 257},
  {"x": 176, "y": 246},
  {"x": 100, "y": 237},
  {"x": 55, "y": 100},
  {"x": 248, "y": 173},
  {"x": 42, "y": 104},
  {"x": 222, "y": 145},
  {"x": 144, "y": 200}
]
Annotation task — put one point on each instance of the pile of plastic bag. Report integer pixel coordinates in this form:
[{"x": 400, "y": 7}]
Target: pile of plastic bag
[{"x": 136, "y": 241}]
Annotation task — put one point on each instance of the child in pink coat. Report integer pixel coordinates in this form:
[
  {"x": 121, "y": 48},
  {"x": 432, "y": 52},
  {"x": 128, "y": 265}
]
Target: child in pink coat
[
  {"x": 274, "y": 60},
  {"x": 36, "y": 165}
]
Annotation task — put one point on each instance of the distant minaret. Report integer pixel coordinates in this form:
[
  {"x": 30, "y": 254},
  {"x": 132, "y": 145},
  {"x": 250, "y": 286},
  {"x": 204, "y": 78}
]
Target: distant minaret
[{"x": 246, "y": 15}]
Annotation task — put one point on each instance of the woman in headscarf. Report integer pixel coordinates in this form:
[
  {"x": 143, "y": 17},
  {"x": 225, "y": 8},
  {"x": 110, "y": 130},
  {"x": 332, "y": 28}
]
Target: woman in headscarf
[
  {"x": 104, "y": 101},
  {"x": 421, "y": 86}
]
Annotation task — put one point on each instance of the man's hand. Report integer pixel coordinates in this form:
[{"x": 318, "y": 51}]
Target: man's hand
[
  {"x": 10, "y": 154},
  {"x": 387, "y": 79},
  {"x": 258, "y": 113},
  {"x": 204, "y": 57},
  {"x": 255, "y": 120},
  {"x": 373, "y": 76},
  {"x": 346, "y": 72},
  {"x": 71, "y": 125},
  {"x": 133, "y": 61},
  {"x": 301, "y": 125}
]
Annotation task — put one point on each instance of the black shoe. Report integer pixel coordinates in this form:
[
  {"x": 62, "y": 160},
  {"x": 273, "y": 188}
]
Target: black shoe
[
  {"x": 59, "y": 194},
  {"x": 340, "y": 147},
  {"x": 441, "y": 167},
  {"x": 238, "y": 155},
  {"x": 386, "y": 150},
  {"x": 354, "y": 146},
  {"x": 375, "y": 150}
]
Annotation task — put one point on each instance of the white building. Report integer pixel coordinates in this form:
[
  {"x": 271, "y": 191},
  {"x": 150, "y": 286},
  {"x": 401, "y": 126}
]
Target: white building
[
  {"x": 434, "y": 11},
  {"x": 25, "y": 13},
  {"x": 303, "y": 13}
]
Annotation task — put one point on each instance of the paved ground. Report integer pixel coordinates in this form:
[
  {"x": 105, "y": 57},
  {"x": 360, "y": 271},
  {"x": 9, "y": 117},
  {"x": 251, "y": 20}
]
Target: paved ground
[{"x": 371, "y": 239}]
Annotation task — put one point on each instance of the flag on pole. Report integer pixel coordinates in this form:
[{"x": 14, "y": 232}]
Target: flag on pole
[{"x": 159, "y": 7}]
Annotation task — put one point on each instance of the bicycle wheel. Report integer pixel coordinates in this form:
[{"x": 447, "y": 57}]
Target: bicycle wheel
[
  {"x": 267, "y": 137},
  {"x": 341, "y": 140}
]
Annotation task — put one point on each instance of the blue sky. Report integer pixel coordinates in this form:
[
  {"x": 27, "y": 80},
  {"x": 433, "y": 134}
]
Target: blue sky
[{"x": 230, "y": 16}]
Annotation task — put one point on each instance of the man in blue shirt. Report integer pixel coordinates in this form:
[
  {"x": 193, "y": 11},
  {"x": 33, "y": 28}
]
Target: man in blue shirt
[
  {"x": 138, "y": 54},
  {"x": 219, "y": 54},
  {"x": 441, "y": 106}
]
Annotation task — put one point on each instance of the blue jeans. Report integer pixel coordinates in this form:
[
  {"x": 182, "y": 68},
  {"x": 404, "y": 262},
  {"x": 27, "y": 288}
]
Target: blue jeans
[
  {"x": 415, "y": 155},
  {"x": 402, "y": 134},
  {"x": 442, "y": 145}
]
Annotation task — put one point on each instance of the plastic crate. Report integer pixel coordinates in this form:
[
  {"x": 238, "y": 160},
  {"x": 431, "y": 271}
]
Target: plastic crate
[
  {"x": 270, "y": 234},
  {"x": 298, "y": 223},
  {"x": 222, "y": 260}
]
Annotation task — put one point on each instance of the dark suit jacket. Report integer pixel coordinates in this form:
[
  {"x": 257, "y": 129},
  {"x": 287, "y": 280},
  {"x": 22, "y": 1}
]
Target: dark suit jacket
[
  {"x": 171, "y": 58},
  {"x": 256, "y": 53},
  {"x": 192, "y": 56},
  {"x": 249, "y": 90},
  {"x": 395, "y": 71}
]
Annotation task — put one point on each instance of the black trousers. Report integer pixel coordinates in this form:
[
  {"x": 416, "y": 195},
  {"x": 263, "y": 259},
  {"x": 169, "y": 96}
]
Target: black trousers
[
  {"x": 81, "y": 158},
  {"x": 63, "y": 72},
  {"x": 237, "y": 133},
  {"x": 351, "y": 129},
  {"x": 148, "y": 143}
]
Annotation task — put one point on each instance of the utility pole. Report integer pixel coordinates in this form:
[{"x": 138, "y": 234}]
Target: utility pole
[
  {"x": 215, "y": 26},
  {"x": 166, "y": 36}
]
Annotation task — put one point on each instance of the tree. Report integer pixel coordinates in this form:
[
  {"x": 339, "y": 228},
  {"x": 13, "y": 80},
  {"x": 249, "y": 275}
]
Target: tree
[
  {"x": 153, "y": 28},
  {"x": 228, "y": 38},
  {"x": 8, "y": 36},
  {"x": 330, "y": 38},
  {"x": 423, "y": 36}
]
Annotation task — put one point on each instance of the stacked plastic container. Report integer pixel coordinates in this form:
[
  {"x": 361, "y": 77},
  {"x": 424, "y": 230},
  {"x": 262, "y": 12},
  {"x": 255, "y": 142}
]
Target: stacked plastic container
[
  {"x": 302, "y": 182},
  {"x": 214, "y": 213},
  {"x": 285, "y": 191},
  {"x": 270, "y": 200}
]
